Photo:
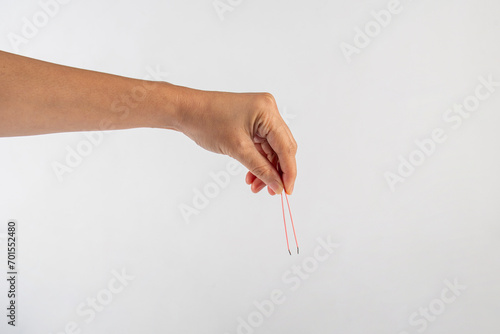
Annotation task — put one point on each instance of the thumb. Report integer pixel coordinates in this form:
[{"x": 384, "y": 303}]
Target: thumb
[{"x": 259, "y": 166}]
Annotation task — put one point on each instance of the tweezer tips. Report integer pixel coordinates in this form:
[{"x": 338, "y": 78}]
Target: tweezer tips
[
  {"x": 297, "y": 250},
  {"x": 289, "y": 252}
]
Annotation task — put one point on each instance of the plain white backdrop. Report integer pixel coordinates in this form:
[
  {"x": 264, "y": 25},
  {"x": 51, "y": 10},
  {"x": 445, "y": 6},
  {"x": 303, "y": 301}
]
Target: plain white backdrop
[{"x": 355, "y": 114}]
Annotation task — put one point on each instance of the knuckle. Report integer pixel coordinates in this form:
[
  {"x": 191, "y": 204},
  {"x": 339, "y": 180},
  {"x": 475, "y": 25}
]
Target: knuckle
[
  {"x": 261, "y": 171},
  {"x": 269, "y": 97},
  {"x": 266, "y": 101}
]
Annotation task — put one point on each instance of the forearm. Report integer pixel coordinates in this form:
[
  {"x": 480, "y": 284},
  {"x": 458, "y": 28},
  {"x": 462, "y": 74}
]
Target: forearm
[{"x": 37, "y": 97}]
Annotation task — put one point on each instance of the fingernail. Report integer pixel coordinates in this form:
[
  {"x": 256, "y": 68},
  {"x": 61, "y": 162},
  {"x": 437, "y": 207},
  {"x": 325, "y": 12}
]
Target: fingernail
[{"x": 276, "y": 187}]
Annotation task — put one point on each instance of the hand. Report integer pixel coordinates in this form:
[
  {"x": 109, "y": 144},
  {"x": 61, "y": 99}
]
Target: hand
[
  {"x": 247, "y": 127},
  {"x": 37, "y": 97}
]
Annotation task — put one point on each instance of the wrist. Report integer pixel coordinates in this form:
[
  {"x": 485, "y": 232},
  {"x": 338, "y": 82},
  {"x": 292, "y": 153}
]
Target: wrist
[
  {"x": 168, "y": 108},
  {"x": 187, "y": 105}
]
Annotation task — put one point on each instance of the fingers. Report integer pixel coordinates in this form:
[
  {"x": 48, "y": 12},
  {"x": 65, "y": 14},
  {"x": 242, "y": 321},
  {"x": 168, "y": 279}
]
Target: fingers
[
  {"x": 256, "y": 184},
  {"x": 259, "y": 166},
  {"x": 250, "y": 178},
  {"x": 265, "y": 149},
  {"x": 285, "y": 144},
  {"x": 269, "y": 153},
  {"x": 282, "y": 142},
  {"x": 272, "y": 142}
]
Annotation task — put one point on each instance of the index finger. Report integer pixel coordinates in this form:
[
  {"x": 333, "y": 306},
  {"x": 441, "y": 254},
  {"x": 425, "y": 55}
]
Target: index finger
[{"x": 281, "y": 140}]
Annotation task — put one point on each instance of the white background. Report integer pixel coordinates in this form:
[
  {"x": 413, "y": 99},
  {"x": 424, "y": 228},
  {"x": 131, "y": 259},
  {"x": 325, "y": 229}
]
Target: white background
[{"x": 119, "y": 208}]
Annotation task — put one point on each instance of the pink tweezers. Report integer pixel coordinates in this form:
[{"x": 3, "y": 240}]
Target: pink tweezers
[{"x": 284, "y": 219}]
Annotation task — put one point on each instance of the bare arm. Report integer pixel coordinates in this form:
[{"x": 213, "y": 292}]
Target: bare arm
[{"x": 38, "y": 97}]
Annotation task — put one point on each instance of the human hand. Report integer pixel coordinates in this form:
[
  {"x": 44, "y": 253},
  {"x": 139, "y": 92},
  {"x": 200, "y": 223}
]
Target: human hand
[{"x": 247, "y": 127}]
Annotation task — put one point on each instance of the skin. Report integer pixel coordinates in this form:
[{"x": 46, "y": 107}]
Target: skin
[{"x": 38, "y": 97}]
